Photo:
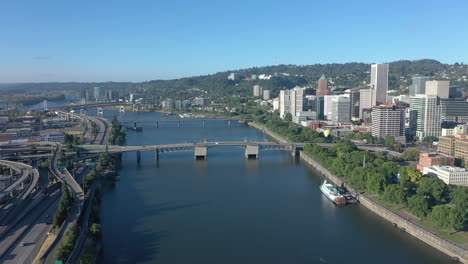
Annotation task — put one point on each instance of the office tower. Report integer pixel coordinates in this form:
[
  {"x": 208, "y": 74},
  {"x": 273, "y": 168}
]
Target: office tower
[
  {"x": 257, "y": 90},
  {"x": 388, "y": 121},
  {"x": 366, "y": 97},
  {"x": 327, "y": 106},
  {"x": 99, "y": 94},
  {"x": 266, "y": 94},
  {"x": 319, "y": 107},
  {"x": 291, "y": 101},
  {"x": 456, "y": 91},
  {"x": 232, "y": 76},
  {"x": 454, "y": 109},
  {"x": 309, "y": 103},
  {"x": 354, "y": 97},
  {"x": 425, "y": 115},
  {"x": 418, "y": 86},
  {"x": 323, "y": 86},
  {"x": 341, "y": 111},
  {"x": 379, "y": 82},
  {"x": 438, "y": 88}
]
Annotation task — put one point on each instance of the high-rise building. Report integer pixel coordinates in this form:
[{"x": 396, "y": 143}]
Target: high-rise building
[
  {"x": 291, "y": 101},
  {"x": 341, "y": 111},
  {"x": 456, "y": 91},
  {"x": 266, "y": 94},
  {"x": 323, "y": 86},
  {"x": 425, "y": 115},
  {"x": 418, "y": 86},
  {"x": 438, "y": 88},
  {"x": 379, "y": 82},
  {"x": 354, "y": 97},
  {"x": 232, "y": 76},
  {"x": 366, "y": 97},
  {"x": 388, "y": 121},
  {"x": 327, "y": 106},
  {"x": 257, "y": 90},
  {"x": 99, "y": 94},
  {"x": 319, "y": 107},
  {"x": 454, "y": 109}
]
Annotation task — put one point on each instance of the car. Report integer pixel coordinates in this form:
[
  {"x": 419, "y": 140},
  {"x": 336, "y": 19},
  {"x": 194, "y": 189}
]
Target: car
[{"x": 23, "y": 244}]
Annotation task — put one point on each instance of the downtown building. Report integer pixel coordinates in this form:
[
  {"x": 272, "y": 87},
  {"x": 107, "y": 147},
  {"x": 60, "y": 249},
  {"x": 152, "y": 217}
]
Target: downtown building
[
  {"x": 291, "y": 101},
  {"x": 257, "y": 90},
  {"x": 322, "y": 86},
  {"x": 388, "y": 120},
  {"x": 418, "y": 86},
  {"x": 340, "y": 109},
  {"x": 379, "y": 82},
  {"x": 425, "y": 116}
]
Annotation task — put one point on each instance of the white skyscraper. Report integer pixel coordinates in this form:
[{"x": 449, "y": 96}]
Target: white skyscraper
[
  {"x": 257, "y": 90},
  {"x": 379, "y": 82},
  {"x": 425, "y": 115},
  {"x": 291, "y": 101},
  {"x": 439, "y": 88}
]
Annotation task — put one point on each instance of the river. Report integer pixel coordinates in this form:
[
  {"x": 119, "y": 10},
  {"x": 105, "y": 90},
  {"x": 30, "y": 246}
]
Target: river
[{"x": 231, "y": 210}]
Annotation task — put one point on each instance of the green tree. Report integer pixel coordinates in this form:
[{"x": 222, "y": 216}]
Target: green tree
[
  {"x": 410, "y": 154},
  {"x": 439, "y": 215},
  {"x": 455, "y": 219},
  {"x": 390, "y": 170},
  {"x": 434, "y": 188},
  {"x": 395, "y": 194},
  {"x": 389, "y": 141},
  {"x": 376, "y": 183},
  {"x": 96, "y": 231},
  {"x": 460, "y": 199},
  {"x": 413, "y": 174},
  {"x": 288, "y": 117},
  {"x": 418, "y": 205}
]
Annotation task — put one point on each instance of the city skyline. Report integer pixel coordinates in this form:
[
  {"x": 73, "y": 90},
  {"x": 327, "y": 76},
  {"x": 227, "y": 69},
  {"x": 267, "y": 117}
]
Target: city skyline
[{"x": 55, "y": 41}]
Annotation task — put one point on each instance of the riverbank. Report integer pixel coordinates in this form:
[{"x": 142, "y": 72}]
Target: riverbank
[{"x": 446, "y": 246}]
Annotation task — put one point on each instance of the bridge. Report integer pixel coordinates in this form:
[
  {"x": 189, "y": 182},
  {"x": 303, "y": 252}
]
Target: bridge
[
  {"x": 179, "y": 121},
  {"x": 252, "y": 149},
  {"x": 27, "y": 174}
]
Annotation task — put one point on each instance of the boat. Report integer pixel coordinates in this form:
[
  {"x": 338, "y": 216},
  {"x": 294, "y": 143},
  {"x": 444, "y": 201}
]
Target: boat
[{"x": 332, "y": 193}]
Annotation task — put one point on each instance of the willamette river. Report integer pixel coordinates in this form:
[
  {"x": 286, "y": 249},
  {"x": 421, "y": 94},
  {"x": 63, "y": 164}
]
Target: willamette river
[{"x": 231, "y": 210}]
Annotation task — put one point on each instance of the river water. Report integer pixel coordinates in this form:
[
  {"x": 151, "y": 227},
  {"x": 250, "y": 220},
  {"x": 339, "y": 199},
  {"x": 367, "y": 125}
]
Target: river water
[{"x": 231, "y": 210}]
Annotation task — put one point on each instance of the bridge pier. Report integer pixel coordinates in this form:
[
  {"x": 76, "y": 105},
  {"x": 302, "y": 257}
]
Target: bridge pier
[
  {"x": 157, "y": 124},
  {"x": 138, "y": 156},
  {"x": 156, "y": 154},
  {"x": 229, "y": 122},
  {"x": 294, "y": 151},
  {"x": 201, "y": 152},
  {"x": 178, "y": 124},
  {"x": 203, "y": 123},
  {"x": 251, "y": 152}
]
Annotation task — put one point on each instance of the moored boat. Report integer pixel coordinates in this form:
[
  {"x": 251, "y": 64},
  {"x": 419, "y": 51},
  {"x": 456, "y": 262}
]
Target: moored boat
[{"x": 332, "y": 193}]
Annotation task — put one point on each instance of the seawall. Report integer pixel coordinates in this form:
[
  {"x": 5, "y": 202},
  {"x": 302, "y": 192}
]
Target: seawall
[
  {"x": 452, "y": 249},
  {"x": 270, "y": 133}
]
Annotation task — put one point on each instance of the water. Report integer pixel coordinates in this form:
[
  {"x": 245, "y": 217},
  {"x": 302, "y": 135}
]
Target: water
[{"x": 231, "y": 210}]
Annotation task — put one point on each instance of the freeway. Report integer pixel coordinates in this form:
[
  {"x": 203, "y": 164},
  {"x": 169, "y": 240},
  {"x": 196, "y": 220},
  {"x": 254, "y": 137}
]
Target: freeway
[{"x": 26, "y": 172}]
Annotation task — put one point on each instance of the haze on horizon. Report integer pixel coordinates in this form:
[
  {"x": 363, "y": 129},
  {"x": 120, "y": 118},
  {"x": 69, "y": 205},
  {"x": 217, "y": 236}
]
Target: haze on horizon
[{"x": 87, "y": 41}]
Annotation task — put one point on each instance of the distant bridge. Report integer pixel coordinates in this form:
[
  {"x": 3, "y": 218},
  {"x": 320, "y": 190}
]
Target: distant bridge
[
  {"x": 252, "y": 149},
  {"x": 179, "y": 121}
]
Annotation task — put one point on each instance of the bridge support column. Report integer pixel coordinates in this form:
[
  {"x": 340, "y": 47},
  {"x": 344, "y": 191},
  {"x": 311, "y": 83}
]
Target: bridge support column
[
  {"x": 294, "y": 151},
  {"x": 156, "y": 154},
  {"x": 229, "y": 122},
  {"x": 251, "y": 152},
  {"x": 178, "y": 124},
  {"x": 157, "y": 124},
  {"x": 201, "y": 152},
  {"x": 138, "y": 156},
  {"x": 203, "y": 123}
]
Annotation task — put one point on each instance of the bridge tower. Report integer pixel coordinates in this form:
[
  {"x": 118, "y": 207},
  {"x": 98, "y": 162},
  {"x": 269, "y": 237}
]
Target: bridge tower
[
  {"x": 201, "y": 152},
  {"x": 45, "y": 104},
  {"x": 100, "y": 112},
  {"x": 251, "y": 151}
]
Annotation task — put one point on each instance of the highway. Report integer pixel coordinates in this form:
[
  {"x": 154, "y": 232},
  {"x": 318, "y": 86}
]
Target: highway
[{"x": 26, "y": 173}]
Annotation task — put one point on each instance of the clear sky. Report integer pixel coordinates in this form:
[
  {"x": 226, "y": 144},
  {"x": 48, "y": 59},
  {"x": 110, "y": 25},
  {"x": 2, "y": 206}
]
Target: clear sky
[{"x": 100, "y": 40}]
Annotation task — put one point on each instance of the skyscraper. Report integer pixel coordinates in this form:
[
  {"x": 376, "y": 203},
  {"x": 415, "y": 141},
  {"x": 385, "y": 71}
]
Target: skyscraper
[
  {"x": 425, "y": 115},
  {"x": 388, "y": 121},
  {"x": 438, "y": 88},
  {"x": 354, "y": 97},
  {"x": 454, "y": 109},
  {"x": 379, "y": 82},
  {"x": 323, "y": 86},
  {"x": 257, "y": 90},
  {"x": 418, "y": 86},
  {"x": 99, "y": 94},
  {"x": 366, "y": 97},
  {"x": 291, "y": 101},
  {"x": 341, "y": 111},
  {"x": 266, "y": 94}
]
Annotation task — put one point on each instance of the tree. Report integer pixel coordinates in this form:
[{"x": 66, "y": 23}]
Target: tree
[
  {"x": 96, "y": 231},
  {"x": 390, "y": 170},
  {"x": 418, "y": 205},
  {"x": 410, "y": 154},
  {"x": 439, "y": 215},
  {"x": 395, "y": 194},
  {"x": 413, "y": 174},
  {"x": 389, "y": 141},
  {"x": 376, "y": 183},
  {"x": 288, "y": 117},
  {"x": 455, "y": 219},
  {"x": 434, "y": 188},
  {"x": 460, "y": 199}
]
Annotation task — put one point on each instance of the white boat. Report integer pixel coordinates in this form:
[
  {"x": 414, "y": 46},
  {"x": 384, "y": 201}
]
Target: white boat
[{"x": 332, "y": 193}]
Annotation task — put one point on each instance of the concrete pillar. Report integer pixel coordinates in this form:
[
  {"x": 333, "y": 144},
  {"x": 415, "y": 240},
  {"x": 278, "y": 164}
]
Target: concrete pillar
[
  {"x": 201, "y": 152},
  {"x": 251, "y": 151},
  {"x": 203, "y": 123},
  {"x": 138, "y": 156},
  {"x": 294, "y": 151},
  {"x": 157, "y": 124},
  {"x": 156, "y": 154},
  {"x": 11, "y": 171},
  {"x": 178, "y": 124},
  {"x": 229, "y": 122},
  {"x": 134, "y": 124}
]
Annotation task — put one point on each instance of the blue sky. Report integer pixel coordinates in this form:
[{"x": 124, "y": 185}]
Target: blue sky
[{"x": 145, "y": 40}]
